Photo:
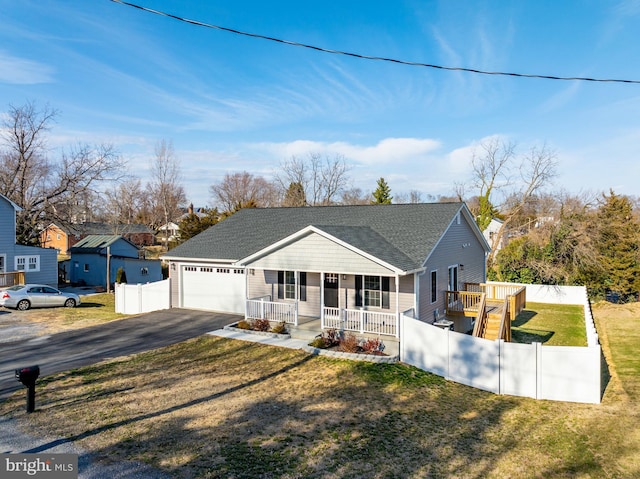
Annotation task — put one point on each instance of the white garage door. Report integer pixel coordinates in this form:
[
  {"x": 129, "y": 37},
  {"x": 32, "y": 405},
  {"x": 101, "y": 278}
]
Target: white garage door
[{"x": 215, "y": 288}]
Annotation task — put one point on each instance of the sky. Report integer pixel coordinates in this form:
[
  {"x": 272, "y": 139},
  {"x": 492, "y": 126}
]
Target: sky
[{"x": 232, "y": 103}]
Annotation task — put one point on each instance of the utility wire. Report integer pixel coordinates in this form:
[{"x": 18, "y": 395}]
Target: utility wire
[{"x": 368, "y": 57}]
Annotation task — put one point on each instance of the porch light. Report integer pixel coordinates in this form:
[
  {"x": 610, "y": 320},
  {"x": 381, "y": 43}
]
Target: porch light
[
  {"x": 344, "y": 276},
  {"x": 461, "y": 267}
]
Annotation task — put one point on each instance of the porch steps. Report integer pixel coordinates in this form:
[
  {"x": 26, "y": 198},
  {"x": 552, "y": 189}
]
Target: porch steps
[{"x": 492, "y": 328}]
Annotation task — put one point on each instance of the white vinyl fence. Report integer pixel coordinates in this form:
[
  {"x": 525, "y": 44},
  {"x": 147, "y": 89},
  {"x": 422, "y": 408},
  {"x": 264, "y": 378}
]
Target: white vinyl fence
[
  {"x": 142, "y": 298},
  {"x": 560, "y": 373}
]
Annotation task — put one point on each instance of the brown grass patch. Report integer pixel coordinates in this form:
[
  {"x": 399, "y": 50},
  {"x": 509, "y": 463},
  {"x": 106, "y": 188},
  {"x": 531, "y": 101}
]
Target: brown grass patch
[{"x": 214, "y": 407}]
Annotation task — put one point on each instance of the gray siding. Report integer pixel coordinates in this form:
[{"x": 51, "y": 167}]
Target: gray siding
[
  {"x": 458, "y": 246},
  {"x": 316, "y": 253},
  {"x": 7, "y": 229},
  {"x": 48, "y": 273}
]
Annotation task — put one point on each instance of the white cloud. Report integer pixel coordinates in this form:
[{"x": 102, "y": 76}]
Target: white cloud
[
  {"x": 386, "y": 151},
  {"x": 20, "y": 71}
]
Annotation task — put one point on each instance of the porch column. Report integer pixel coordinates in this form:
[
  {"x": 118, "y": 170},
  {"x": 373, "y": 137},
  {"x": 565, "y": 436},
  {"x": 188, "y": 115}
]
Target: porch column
[
  {"x": 322, "y": 300},
  {"x": 246, "y": 292},
  {"x": 296, "y": 295},
  {"x": 397, "y": 306}
]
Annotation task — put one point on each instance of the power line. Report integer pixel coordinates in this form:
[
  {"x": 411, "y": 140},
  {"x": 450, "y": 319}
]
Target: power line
[{"x": 369, "y": 57}]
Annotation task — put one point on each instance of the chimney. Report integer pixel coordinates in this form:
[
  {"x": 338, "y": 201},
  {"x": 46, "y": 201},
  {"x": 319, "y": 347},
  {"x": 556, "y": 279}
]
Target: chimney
[{"x": 190, "y": 209}]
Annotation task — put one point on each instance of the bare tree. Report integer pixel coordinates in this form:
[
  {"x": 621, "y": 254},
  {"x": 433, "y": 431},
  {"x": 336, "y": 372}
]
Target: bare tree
[
  {"x": 48, "y": 190},
  {"x": 355, "y": 196},
  {"x": 536, "y": 169},
  {"x": 166, "y": 193},
  {"x": 238, "y": 189},
  {"x": 126, "y": 200},
  {"x": 323, "y": 178}
]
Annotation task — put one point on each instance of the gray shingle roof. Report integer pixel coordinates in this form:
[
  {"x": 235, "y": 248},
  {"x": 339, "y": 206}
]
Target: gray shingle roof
[{"x": 401, "y": 235}]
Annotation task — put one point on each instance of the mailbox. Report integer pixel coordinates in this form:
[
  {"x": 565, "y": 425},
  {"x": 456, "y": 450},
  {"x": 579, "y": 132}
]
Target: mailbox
[{"x": 28, "y": 377}]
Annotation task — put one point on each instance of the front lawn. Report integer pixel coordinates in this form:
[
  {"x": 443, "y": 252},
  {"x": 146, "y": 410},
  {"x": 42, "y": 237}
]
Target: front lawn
[
  {"x": 93, "y": 309},
  {"x": 217, "y": 408},
  {"x": 550, "y": 324}
]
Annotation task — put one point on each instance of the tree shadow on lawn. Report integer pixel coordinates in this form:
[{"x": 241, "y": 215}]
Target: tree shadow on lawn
[
  {"x": 84, "y": 304},
  {"x": 522, "y": 335}
]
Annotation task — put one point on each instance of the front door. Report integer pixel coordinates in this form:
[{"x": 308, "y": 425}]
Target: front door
[{"x": 331, "y": 290}]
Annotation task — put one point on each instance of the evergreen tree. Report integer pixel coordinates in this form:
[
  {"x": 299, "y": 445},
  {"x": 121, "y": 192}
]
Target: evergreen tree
[
  {"x": 295, "y": 195},
  {"x": 194, "y": 224},
  {"x": 382, "y": 194},
  {"x": 617, "y": 245}
]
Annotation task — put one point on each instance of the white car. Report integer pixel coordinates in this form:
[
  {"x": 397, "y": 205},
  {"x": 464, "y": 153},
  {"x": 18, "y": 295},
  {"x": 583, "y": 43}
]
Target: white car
[{"x": 25, "y": 296}]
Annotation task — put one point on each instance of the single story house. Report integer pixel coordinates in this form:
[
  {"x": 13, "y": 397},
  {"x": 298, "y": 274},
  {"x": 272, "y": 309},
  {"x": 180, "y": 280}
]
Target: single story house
[
  {"x": 350, "y": 263},
  {"x": 90, "y": 257},
  {"x": 20, "y": 263}
]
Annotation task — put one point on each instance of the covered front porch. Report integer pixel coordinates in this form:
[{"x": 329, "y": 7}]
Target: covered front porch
[{"x": 344, "y": 319}]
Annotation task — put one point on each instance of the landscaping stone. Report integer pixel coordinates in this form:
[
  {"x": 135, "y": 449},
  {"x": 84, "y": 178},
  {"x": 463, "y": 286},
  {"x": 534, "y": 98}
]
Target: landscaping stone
[
  {"x": 372, "y": 358},
  {"x": 268, "y": 334}
]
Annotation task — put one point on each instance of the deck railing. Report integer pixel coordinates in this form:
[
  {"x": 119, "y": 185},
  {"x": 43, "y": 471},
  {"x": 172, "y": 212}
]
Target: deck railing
[
  {"x": 11, "y": 279},
  {"x": 360, "y": 320},
  {"x": 461, "y": 301},
  {"x": 516, "y": 294},
  {"x": 263, "y": 308}
]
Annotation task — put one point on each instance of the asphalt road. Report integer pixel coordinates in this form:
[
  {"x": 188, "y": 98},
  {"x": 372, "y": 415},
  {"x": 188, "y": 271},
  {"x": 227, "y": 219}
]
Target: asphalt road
[{"x": 81, "y": 347}]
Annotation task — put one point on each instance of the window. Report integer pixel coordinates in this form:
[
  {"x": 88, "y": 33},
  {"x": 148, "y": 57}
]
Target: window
[
  {"x": 434, "y": 286},
  {"x": 58, "y": 236},
  {"x": 27, "y": 263},
  {"x": 287, "y": 285},
  {"x": 86, "y": 267},
  {"x": 144, "y": 271},
  {"x": 372, "y": 291},
  {"x": 2, "y": 260},
  {"x": 453, "y": 278}
]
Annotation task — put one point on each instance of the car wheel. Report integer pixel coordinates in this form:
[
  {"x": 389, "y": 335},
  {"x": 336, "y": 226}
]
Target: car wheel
[
  {"x": 23, "y": 305},
  {"x": 70, "y": 303}
]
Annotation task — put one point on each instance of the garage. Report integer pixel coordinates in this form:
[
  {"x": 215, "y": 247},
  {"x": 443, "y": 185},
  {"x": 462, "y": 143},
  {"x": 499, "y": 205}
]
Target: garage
[{"x": 213, "y": 288}]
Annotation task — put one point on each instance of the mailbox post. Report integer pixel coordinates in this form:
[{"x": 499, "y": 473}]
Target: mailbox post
[{"x": 28, "y": 377}]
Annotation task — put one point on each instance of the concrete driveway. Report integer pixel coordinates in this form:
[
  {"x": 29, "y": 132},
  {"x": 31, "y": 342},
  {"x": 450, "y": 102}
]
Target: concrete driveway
[{"x": 81, "y": 347}]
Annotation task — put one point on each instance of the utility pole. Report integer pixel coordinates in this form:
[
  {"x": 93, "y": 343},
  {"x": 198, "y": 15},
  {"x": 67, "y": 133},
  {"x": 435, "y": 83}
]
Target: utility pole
[{"x": 108, "y": 269}]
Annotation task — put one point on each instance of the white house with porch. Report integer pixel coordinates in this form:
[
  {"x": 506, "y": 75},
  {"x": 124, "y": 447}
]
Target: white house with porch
[{"x": 356, "y": 268}]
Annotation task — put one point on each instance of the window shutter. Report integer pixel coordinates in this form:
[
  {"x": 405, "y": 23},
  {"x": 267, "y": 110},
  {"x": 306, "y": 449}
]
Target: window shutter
[
  {"x": 303, "y": 285},
  {"x": 358, "y": 290},
  {"x": 280, "y": 284},
  {"x": 385, "y": 292}
]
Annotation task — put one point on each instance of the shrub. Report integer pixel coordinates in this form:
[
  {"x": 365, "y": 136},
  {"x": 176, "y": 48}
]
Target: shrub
[
  {"x": 280, "y": 328},
  {"x": 121, "y": 275},
  {"x": 318, "y": 343},
  {"x": 372, "y": 346},
  {"x": 261, "y": 325},
  {"x": 349, "y": 344},
  {"x": 331, "y": 337},
  {"x": 242, "y": 324}
]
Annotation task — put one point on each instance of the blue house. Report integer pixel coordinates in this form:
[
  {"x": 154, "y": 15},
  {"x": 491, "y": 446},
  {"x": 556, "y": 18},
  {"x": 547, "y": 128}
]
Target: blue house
[
  {"x": 90, "y": 256},
  {"x": 20, "y": 263}
]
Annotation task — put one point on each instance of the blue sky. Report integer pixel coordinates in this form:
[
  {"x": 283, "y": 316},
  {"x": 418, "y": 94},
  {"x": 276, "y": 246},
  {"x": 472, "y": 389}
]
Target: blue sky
[{"x": 231, "y": 103}]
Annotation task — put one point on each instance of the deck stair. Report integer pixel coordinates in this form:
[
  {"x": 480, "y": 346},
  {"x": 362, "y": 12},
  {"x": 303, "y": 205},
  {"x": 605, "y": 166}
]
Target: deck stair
[{"x": 493, "y": 322}]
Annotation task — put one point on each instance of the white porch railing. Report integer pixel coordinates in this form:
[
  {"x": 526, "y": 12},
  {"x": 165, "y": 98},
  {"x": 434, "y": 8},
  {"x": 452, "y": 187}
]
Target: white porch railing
[
  {"x": 263, "y": 308},
  {"x": 360, "y": 320}
]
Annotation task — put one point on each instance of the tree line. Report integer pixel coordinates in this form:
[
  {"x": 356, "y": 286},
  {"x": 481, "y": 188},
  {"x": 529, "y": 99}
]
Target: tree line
[{"x": 545, "y": 236}]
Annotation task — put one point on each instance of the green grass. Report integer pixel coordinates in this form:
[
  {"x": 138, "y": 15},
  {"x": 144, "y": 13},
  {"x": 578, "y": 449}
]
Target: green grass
[
  {"x": 550, "y": 324},
  {"x": 93, "y": 309}
]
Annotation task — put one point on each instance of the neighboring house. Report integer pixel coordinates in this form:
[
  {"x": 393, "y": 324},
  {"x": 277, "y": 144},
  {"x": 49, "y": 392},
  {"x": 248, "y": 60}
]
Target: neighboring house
[
  {"x": 491, "y": 234},
  {"x": 40, "y": 265},
  {"x": 335, "y": 261},
  {"x": 171, "y": 230},
  {"x": 89, "y": 258},
  {"x": 65, "y": 236}
]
